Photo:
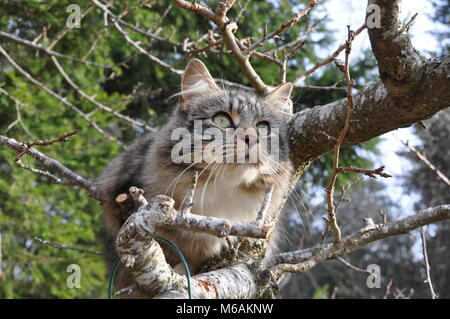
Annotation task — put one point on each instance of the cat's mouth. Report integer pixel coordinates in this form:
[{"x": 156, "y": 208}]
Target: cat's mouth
[{"x": 234, "y": 155}]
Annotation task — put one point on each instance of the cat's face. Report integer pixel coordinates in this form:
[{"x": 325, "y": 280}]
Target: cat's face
[{"x": 235, "y": 128}]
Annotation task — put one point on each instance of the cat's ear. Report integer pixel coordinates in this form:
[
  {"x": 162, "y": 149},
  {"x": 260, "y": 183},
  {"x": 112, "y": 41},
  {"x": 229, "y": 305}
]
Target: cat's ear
[
  {"x": 280, "y": 98},
  {"x": 196, "y": 81}
]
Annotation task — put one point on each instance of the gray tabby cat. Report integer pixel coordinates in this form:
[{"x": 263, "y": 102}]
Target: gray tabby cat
[{"x": 228, "y": 190}]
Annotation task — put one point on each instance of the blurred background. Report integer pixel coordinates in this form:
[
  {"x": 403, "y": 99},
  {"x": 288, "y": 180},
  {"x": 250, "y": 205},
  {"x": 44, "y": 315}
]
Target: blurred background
[{"x": 130, "y": 83}]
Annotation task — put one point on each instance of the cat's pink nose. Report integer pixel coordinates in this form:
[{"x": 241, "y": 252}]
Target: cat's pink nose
[{"x": 251, "y": 140}]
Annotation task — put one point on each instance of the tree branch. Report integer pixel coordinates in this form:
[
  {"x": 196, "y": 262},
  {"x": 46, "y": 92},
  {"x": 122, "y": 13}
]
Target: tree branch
[
  {"x": 247, "y": 279},
  {"x": 303, "y": 260},
  {"x": 72, "y": 178},
  {"x": 62, "y": 246},
  {"x": 376, "y": 111}
]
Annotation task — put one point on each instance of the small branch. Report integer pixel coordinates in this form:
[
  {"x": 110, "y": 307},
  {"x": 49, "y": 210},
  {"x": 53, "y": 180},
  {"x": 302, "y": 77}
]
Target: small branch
[
  {"x": 98, "y": 104},
  {"x": 60, "y": 139},
  {"x": 18, "y": 105},
  {"x": 320, "y": 88},
  {"x": 138, "y": 196},
  {"x": 206, "y": 48},
  {"x": 331, "y": 220},
  {"x": 55, "y": 95},
  {"x": 427, "y": 162},
  {"x": 328, "y": 60},
  {"x": 303, "y": 260},
  {"x": 261, "y": 218},
  {"x": 125, "y": 291},
  {"x": 334, "y": 293},
  {"x": 345, "y": 262},
  {"x": 67, "y": 29},
  {"x": 369, "y": 172},
  {"x": 61, "y": 246},
  {"x": 48, "y": 51},
  {"x": 427, "y": 264},
  {"x": 136, "y": 29},
  {"x": 162, "y": 205},
  {"x": 143, "y": 51},
  {"x": 190, "y": 196},
  {"x": 388, "y": 289},
  {"x": 227, "y": 28},
  {"x": 27, "y": 146},
  {"x": 282, "y": 28},
  {"x": 72, "y": 178}
]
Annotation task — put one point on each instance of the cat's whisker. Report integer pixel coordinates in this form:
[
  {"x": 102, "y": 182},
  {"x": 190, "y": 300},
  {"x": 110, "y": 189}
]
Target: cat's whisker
[{"x": 180, "y": 175}]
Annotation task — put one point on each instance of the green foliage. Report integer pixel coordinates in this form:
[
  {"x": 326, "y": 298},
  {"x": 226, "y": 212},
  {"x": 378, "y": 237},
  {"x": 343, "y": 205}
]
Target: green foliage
[
  {"x": 32, "y": 206},
  {"x": 321, "y": 292}
]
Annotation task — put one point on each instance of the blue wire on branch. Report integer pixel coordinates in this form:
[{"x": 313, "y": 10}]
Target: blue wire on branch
[{"x": 177, "y": 250}]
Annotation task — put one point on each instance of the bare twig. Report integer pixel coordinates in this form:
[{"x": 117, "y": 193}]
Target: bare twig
[
  {"x": 72, "y": 178},
  {"x": 320, "y": 88},
  {"x": 146, "y": 33},
  {"x": 388, "y": 289},
  {"x": 126, "y": 291},
  {"x": 67, "y": 29},
  {"x": 283, "y": 28},
  {"x": 220, "y": 227},
  {"x": 143, "y": 51},
  {"x": 190, "y": 196},
  {"x": 331, "y": 219},
  {"x": 27, "y": 146},
  {"x": 138, "y": 196},
  {"x": 328, "y": 60},
  {"x": 427, "y": 264},
  {"x": 18, "y": 120},
  {"x": 345, "y": 262},
  {"x": 303, "y": 260},
  {"x": 63, "y": 100},
  {"x": 261, "y": 218},
  {"x": 47, "y": 50},
  {"x": 98, "y": 104},
  {"x": 427, "y": 162},
  {"x": 227, "y": 28},
  {"x": 334, "y": 293},
  {"x": 369, "y": 172},
  {"x": 116, "y": 21},
  {"x": 61, "y": 246}
]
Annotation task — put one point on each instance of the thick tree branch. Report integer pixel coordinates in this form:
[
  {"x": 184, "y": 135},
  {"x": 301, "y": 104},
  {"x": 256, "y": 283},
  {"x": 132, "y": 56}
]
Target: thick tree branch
[
  {"x": 247, "y": 279},
  {"x": 303, "y": 260},
  {"x": 143, "y": 256},
  {"x": 401, "y": 66},
  {"x": 412, "y": 89},
  {"x": 376, "y": 111},
  {"x": 162, "y": 205}
]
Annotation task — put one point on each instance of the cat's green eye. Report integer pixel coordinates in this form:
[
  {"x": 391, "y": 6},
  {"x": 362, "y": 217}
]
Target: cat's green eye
[
  {"x": 222, "y": 119},
  {"x": 263, "y": 128}
]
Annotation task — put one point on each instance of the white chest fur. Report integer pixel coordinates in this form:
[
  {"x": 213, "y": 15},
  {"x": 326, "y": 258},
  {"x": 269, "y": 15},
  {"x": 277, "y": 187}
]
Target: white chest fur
[{"x": 222, "y": 196}]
